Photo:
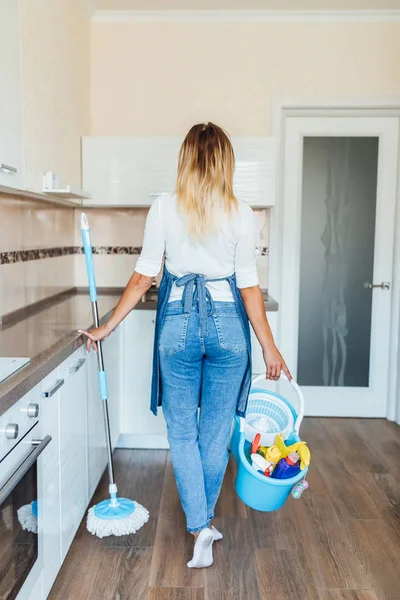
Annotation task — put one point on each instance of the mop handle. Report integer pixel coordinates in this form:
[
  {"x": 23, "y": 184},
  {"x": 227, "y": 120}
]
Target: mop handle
[
  {"x": 103, "y": 388},
  {"x": 87, "y": 246}
]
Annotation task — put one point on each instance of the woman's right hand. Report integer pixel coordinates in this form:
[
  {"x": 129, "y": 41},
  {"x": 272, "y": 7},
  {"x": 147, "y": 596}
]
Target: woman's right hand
[{"x": 95, "y": 335}]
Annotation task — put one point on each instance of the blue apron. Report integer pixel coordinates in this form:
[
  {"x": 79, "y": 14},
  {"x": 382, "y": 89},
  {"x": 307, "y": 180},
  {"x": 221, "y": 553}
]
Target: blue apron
[{"x": 195, "y": 290}]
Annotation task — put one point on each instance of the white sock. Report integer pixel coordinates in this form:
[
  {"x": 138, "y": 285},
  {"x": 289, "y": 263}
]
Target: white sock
[
  {"x": 217, "y": 534},
  {"x": 202, "y": 554}
]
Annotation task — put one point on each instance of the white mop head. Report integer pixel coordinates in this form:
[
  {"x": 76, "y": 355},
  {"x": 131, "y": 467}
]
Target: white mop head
[
  {"x": 102, "y": 527},
  {"x": 28, "y": 520}
]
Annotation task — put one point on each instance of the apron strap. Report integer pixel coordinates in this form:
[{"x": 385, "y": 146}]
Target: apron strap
[{"x": 196, "y": 291}]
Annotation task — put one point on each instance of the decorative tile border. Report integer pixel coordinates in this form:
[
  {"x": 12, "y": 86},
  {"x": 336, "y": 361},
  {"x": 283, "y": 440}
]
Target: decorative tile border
[
  {"x": 111, "y": 249},
  {"x": 15, "y": 256}
]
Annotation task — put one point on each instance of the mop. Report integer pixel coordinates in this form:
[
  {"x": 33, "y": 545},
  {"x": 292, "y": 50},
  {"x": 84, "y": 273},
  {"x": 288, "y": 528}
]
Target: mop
[
  {"x": 28, "y": 517},
  {"x": 114, "y": 516}
]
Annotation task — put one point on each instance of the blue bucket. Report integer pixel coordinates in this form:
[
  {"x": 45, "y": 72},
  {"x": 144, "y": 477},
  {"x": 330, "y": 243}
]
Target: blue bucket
[{"x": 254, "y": 489}]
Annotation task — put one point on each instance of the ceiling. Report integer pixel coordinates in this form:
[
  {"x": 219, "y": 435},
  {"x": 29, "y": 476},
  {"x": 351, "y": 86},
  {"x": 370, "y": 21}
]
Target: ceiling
[{"x": 293, "y": 5}]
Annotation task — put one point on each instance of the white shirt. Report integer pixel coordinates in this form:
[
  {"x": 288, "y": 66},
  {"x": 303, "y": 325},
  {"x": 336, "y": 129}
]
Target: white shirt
[{"x": 231, "y": 250}]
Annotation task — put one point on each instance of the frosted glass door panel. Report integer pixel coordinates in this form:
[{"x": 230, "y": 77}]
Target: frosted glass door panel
[{"x": 339, "y": 197}]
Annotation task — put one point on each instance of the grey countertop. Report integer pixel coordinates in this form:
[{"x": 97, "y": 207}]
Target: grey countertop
[{"x": 50, "y": 335}]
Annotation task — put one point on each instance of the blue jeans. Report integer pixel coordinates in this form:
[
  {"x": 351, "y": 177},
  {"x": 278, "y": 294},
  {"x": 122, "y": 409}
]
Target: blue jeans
[{"x": 206, "y": 368}]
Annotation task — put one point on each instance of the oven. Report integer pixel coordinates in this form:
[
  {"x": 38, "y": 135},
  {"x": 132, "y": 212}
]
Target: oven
[{"x": 20, "y": 536}]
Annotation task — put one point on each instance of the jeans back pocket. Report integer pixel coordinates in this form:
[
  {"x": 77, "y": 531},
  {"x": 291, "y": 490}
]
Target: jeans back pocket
[
  {"x": 230, "y": 332},
  {"x": 173, "y": 334}
]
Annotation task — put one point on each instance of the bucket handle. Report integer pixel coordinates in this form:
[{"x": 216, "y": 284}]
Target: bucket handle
[{"x": 300, "y": 396}]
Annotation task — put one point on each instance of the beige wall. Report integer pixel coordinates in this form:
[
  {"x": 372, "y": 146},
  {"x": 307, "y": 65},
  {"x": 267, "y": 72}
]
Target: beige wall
[
  {"x": 158, "y": 79},
  {"x": 55, "y": 50}
]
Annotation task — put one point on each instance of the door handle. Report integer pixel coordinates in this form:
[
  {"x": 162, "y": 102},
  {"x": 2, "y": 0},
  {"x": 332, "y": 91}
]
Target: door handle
[{"x": 385, "y": 285}]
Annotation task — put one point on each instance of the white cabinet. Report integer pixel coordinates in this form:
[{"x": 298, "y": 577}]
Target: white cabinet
[
  {"x": 64, "y": 468},
  {"x": 11, "y": 146},
  {"x": 73, "y": 471},
  {"x": 125, "y": 171},
  {"x": 139, "y": 427},
  {"x": 132, "y": 171},
  {"x": 96, "y": 443},
  {"x": 37, "y": 590},
  {"x": 50, "y": 494}
]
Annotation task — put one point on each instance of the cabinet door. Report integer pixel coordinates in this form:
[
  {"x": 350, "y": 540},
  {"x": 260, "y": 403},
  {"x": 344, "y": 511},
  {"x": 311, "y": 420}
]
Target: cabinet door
[
  {"x": 73, "y": 468},
  {"x": 132, "y": 171},
  {"x": 255, "y": 172},
  {"x": 139, "y": 427},
  {"x": 128, "y": 171},
  {"x": 50, "y": 492},
  {"x": 11, "y": 151},
  {"x": 112, "y": 361},
  {"x": 96, "y": 444}
]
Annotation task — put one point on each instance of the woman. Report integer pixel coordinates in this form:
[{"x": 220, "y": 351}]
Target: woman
[{"x": 208, "y": 294}]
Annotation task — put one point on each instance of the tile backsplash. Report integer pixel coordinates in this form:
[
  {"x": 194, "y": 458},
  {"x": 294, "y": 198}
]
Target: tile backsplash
[
  {"x": 40, "y": 248},
  {"x": 32, "y": 226}
]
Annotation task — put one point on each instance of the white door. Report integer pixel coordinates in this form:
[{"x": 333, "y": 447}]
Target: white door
[{"x": 338, "y": 238}]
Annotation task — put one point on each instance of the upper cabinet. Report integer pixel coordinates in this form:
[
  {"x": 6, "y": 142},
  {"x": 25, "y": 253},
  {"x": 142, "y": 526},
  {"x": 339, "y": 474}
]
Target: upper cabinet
[
  {"x": 44, "y": 106},
  {"x": 11, "y": 146},
  {"x": 132, "y": 171},
  {"x": 128, "y": 171}
]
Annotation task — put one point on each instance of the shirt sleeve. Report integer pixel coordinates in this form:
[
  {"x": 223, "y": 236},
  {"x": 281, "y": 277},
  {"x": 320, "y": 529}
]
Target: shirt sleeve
[
  {"x": 150, "y": 259},
  {"x": 245, "y": 256}
]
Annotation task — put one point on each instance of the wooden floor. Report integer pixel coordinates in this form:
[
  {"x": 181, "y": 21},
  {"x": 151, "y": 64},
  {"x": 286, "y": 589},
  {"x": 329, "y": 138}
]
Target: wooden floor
[{"x": 341, "y": 541}]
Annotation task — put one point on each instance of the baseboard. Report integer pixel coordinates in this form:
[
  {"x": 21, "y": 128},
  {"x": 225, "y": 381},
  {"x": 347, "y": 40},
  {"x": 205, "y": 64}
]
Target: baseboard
[{"x": 137, "y": 440}]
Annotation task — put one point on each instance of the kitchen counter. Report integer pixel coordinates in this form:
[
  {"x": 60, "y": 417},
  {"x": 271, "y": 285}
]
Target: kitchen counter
[{"x": 50, "y": 335}]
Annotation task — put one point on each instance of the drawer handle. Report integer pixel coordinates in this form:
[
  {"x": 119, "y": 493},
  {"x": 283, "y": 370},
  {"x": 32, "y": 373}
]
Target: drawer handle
[
  {"x": 78, "y": 365},
  {"x": 7, "y": 168},
  {"x": 49, "y": 393}
]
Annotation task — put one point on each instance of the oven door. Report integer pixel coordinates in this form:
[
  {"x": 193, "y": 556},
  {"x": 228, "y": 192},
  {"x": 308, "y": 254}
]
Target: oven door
[{"x": 20, "y": 548}]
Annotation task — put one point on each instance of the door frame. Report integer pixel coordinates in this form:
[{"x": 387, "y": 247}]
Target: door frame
[{"x": 284, "y": 107}]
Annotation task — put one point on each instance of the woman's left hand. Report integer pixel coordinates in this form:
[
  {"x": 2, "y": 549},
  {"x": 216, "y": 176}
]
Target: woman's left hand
[
  {"x": 275, "y": 364},
  {"x": 95, "y": 335}
]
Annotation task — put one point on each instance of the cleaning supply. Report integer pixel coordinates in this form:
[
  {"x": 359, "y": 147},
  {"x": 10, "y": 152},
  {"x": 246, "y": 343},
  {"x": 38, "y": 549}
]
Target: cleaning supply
[
  {"x": 287, "y": 467},
  {"x": 115, "y": 516},
  {"x": 299, "y": 488},
  {"x": 300, "y": 447},
  {"x": 255, "y": 446},
  {"x": 262, "y": 465},
  {"x": 271, "y": 454}
]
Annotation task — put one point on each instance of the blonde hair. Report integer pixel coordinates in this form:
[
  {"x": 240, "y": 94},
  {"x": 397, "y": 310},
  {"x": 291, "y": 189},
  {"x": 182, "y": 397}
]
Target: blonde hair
[{"x": 205, "y": 178}]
